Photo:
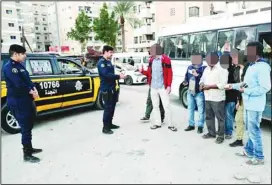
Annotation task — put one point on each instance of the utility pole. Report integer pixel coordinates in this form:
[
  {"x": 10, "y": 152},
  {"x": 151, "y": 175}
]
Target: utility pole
[
  {"x": 57, "y": 21},
  {"x": 24, "y": 40}
]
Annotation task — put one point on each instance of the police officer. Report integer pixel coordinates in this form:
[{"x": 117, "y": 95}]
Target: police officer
[
  {"x": 20, "y": 95},
  {"x": 108, "y": 88}
]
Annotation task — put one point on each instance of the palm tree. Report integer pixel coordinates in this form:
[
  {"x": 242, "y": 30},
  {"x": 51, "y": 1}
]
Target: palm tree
[{"x": 124, "y": 12}]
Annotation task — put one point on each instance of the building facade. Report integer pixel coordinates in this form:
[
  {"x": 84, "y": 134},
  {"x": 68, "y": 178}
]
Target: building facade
[{"x": 16, "y": 17}]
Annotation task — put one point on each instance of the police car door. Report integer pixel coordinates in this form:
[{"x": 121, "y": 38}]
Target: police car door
[
  {"x": 78, "y": 86},
  {"x": 46, "y": 78}
]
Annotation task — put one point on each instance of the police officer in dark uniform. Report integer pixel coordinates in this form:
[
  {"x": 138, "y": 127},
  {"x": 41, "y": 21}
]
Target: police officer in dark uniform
[
  {"x": 20, "y": 95},
  {"x": 108, "y": 88}
]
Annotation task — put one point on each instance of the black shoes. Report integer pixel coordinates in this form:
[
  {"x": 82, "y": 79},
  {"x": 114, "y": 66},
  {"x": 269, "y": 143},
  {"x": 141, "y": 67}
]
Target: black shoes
[
  {"x": 236, "y": 143},
  {"x": 28, "y": 151},
  {"x": 219, "y": 140},
  {"x": 107, "y": 130},
  {"x": 189, "y": 128},
  {"x": 200, "y": 130},
  {"x": 208, "y": 136}
]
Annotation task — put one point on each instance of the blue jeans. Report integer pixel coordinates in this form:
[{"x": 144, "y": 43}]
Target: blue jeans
[
  {"x": 229, "y": 112},
  {"x": 193, "y": 100},
  {"x": 254, "y": 146}
]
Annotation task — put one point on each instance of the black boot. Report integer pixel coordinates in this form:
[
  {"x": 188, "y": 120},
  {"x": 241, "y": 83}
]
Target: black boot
[
  {"x": 114, "y": 126},
  {"x": 107, "y": 130},
  {"x": 28, "y": 156},
  {"x": 189, "y": 128}
]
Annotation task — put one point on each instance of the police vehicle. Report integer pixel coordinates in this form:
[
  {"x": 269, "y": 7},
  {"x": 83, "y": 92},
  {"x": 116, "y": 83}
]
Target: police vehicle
[{"x": 62, "y": 83}]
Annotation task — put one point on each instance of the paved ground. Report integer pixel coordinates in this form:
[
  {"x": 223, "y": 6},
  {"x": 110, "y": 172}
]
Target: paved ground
[{"x": 75, "y": 151}]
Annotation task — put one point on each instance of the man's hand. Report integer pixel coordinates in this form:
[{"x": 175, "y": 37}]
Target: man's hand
[
  {"x": 237, "y": 106},
  {"x": 194, "y": 73},
  {"x": 228, "y": 87},
  {"x": 168, "y": 90},
  {"x": 122, "y": 76},
  {"x": 34, "y": 93},
  {"x": 242, "y": 90},
  {"x": 201, "y": 86},
  {"x": 206, "y": 87}
]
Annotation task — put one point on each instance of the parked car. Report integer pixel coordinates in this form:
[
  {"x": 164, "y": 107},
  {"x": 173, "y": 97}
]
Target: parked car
[{"x": 62, "y": 83}]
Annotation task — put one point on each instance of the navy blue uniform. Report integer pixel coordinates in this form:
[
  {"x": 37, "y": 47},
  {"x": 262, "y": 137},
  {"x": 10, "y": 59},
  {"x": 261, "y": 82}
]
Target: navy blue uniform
[
  {"x": 19, "y": 101},
  {"x": 108, "y": 89}
]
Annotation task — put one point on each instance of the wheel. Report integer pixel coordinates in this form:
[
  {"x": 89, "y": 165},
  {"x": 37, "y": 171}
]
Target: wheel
[
  {"x": 99, "y": 101},
  {"x": 183, "y": 96},
  {"x": 128, "y": 80},
  {"x": 8, "y": 123}
]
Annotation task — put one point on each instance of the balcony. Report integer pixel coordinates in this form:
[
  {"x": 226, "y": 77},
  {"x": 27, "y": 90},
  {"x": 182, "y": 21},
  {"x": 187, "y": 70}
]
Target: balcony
[
  {"x": 145, "y": 13},
  {"x": 146, "y": 30}
]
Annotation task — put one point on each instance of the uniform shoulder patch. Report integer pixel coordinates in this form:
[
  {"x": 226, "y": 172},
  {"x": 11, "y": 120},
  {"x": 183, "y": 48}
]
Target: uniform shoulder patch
[
  {"x": 102, "y": 65},
  {"x": 14, "y": 70}
]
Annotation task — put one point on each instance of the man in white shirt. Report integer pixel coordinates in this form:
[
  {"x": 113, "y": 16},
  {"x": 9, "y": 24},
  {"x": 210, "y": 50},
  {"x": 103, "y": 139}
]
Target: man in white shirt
[{"x": 212, "y": 82}]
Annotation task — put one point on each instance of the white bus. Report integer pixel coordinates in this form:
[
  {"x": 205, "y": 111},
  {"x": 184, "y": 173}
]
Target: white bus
[{"x": 210, "y": 33}]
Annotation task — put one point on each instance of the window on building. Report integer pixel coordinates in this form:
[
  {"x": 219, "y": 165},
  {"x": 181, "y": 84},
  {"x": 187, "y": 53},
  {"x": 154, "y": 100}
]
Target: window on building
[
  {"x": 80, "y": 8},
  {"x": 153, "y": 17},
  {"x": 37, "y": 28},
  {"x": 45, "y": 37},
  {"x": 8, "y": 11},
  {"x": 135, "y": 40},
  {"x": 20, "y": 28},
  {"x": 11, "y": 24},
  {"x": 194, "y": 11},
  {"x": 87, "y": 8},
  {"x": 153, "y": 36},
  {"x": 147, "y": 4},
  {"x": 38, "y": 38},
  {"x": 44, "y": 28},
  {"x": 36, "y": 18},
  {"x": 13, "y": 37},
  {"x": 148, "y": 21},
  {"x": 140, "y": 39},
  {"x": 43, "y": 19},
  {"x": 172, "y": 11}
]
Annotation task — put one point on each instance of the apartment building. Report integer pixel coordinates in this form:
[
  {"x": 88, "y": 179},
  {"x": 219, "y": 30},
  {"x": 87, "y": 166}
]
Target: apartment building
[
  {"x": 15, "y": 16},
  {"x": 42, "y": 34},
  {"x": 62, "y": 16}
]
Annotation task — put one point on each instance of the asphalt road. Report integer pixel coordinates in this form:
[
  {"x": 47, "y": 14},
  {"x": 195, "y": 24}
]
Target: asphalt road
[{"x": 75, "y": 150}]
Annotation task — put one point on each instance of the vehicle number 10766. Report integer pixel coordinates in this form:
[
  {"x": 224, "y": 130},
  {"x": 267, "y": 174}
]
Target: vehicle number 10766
[{"x": 50, "y": 84}]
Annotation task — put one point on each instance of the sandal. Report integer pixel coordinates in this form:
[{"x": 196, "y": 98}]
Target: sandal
[
  {"x": 155, "y": 127},
  {"x": 174, "y": 129}
]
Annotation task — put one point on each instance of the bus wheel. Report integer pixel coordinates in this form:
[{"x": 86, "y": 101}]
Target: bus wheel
[{"x": 183, "y": 96}]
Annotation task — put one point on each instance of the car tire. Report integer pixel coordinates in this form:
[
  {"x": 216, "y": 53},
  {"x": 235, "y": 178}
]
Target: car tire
[
  {"x": 128, "y": 80},
  {"x": 7, "y": 120},
  {"x": 99, "y": 101},
  {"x": 183, "y": 96}
]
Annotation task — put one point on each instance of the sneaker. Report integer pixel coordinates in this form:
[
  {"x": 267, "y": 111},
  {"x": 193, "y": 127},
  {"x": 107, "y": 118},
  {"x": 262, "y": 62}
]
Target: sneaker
[
  {"x": 254, "y": 161},
  {"x": 144, "y": 119},
  {"x": 236, "y": 143},
  {"x": 228, "y": 136},
  {"x": 189, "y": 128},
  {"x": 243, "y": 154},
  {"x": 200, "y": 130},
  {"x": 219, "y": 140}
]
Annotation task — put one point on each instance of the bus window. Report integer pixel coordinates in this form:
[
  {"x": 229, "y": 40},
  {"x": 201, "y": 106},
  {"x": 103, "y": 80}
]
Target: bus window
[
  {"x": 224, "y": 36},
  {"x": 202, "y": 43},
  {"x": 170, "y": 49},
  {"x": 182, "y": 43},
  {"x": 266, "y": 40},
  {"x": 244, "y": 36},
  {"x": 161, "y": 42}
]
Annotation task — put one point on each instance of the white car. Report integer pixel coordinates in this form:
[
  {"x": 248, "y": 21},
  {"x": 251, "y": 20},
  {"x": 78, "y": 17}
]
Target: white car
[{"x": 133, "y": 76}]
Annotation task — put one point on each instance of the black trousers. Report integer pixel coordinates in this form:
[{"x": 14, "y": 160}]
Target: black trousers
[
  {"x": 110, "y": 99},
  {"x": 215, "y": 109}
]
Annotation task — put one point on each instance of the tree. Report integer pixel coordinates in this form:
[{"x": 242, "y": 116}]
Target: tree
[
  {"x": 81, "y": 30},
  {"x": 125, "y": 13},
  {"x": 106, "y": 27}
]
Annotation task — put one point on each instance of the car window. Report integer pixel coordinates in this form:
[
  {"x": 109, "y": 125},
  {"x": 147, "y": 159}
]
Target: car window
[
  {"x": 69, "y": 67},
  {"x": 40, "y": 66}
]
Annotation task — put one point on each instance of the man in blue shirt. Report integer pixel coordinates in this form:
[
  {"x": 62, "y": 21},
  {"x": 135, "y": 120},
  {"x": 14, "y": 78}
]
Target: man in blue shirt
[
  {"x": 108, "y": 88},
  {"x": 20, "y": 95},
  {"x": 257, "y": 82},
  {"x": 195, "y": 97}
]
